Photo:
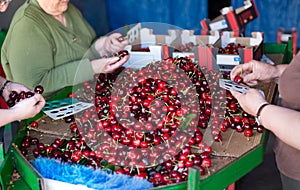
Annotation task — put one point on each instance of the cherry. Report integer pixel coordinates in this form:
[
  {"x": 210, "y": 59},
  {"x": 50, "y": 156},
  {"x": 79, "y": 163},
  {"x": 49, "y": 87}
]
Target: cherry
[
  {"x": 22, "y": 95},
  {"x": 248, "y": 132},
  {"x": 76, "y": 156},
  {"x": 39, "y": 89},
  {"x": 70, "y": 95},
  {"x": 40, "y": 146},
  {"x": 24, "y": 151},
  {"x": 260, "y": 128},
  {"x": 34, "y": 124},
  {"x": 121, "y": 54},
  {"x": 238, "y": 79},
  {"x": 25, "y": 144},
  {"x": 29, "y": 94},
  {"x": 27, "y": 138},
  {"x": 206, "y": 162},
  {"x": 13, "y": 95},
  {"x": 69, "y": 119},
  {"x": 36, "y": 152}
]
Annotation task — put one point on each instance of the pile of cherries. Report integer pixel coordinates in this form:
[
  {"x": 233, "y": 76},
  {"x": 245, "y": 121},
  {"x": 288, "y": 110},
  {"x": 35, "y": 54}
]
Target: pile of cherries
[
  {"x": 150, "y": 122},
  {"x": 73, "y": 150},
  {"x": 15, "y": 97},
  {"x": 231, "y": 49},
  {"x": 188, "y": 47}
]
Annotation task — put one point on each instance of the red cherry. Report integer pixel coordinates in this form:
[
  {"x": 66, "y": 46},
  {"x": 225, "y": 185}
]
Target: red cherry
[
  {"x": 34, "y": 124},
  {"x": 121, "y": 54},
  {"x": 260, "y": 128},
  {"x": 248, "y": 132},
  {"x": 25, "y": 144},
  {"x": 39, "y": 89},
  {"x": 36, "y": 152},
  {"x": 189, "y": 163},
  {"x": 71, "y": 95},
  {"x": 206, "y": 162},
  {"x": 238, "y": 79},
  {"x": 34, "y": 141},
  {"x": 24, "y": 151},
  {"x": 29, "y": 94}
]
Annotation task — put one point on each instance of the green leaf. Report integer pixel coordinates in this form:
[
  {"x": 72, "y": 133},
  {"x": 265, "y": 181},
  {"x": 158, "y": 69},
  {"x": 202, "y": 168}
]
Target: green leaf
[
  {"x": 104, "y": 163},
  {"x": 186, "y": 122}
]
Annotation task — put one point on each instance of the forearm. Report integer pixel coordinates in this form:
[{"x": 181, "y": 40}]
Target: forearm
[
  {"x": 68, "y": 74},
  {"x": 279, "y": 70},
  {"x": 283, "y": 122},
  {"x": 6, "y": 116},
  {"x": 2, "y": 81}
]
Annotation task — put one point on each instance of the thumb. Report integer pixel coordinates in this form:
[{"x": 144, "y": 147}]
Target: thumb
[
  {"x": 112, "y": 60},
  {"x": 115, "y": 35},
  {"x": 250, "y": 79},
  {"x": 236, "y": 94}
]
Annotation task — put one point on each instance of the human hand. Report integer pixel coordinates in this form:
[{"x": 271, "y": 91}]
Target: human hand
[
  {"x": 28, "y": 107},
  {"x": 13, "y": 86},
  {"x": 4, "y": 5},
  {"x": 110, "y": 44},
  {"x": 108, "y": 65},
  {"x": 250, "y": 101},
  {"x": 255, "y": 71}
]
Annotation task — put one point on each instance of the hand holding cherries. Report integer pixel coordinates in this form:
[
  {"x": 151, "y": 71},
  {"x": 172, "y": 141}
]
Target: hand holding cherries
[
  {"x": 238, "y": 79},
  {"x": 121, "y": 54},
  {"x": 15, "y": 97}
]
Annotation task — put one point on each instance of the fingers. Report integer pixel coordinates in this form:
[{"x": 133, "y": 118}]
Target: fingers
[
  {"x": 236, "y": 94},
  {"x": 246, "y": 70},
  {"x": 117, "y": 42},
  {"x": 40, "y": 101},
  {"x": 250, "y": 79},
  {"x": 242, "y": 69},
  {"x": 115, "y": 35},
  {"x": 115, "y": 63}
]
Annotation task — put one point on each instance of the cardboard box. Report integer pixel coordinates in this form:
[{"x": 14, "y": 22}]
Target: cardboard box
[
  {"x": 211, "y": 58},
  {"x": 198, "y": 42},
  {"x": 145, "y": 46},
  {"x": 232, "y": 20}
]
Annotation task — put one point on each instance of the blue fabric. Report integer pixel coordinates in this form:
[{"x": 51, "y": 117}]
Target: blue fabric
[
  {"x": 79, "y": 174},
  {"x": 95, "y": 13},
  {"x": 184, "y": 13}
]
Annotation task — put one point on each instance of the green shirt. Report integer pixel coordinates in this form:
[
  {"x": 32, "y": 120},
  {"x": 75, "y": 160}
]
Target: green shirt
[{"x": 38, "y": 49}]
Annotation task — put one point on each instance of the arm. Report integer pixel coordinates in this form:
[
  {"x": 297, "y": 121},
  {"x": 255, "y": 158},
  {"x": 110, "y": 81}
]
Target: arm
[
  {"x": 255, "y": 71},
  {"x": 33, "y": 60},
  {"x": 110, "y": 44},
  {"x": 283, "y": 122},
  {"x": 2, "y": 81},
  {"x": 24, "y": 109}
]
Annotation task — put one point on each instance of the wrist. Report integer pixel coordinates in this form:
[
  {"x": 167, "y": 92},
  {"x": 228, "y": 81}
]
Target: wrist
[
  {"x": 279, "y": 69},
  {"x": 259, "y": 111},
  {"x": 3, "y": 87},
  {"x": 100, "y": 46}
]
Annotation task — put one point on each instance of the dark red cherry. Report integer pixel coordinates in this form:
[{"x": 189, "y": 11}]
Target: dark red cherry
[{"x": 39, "y": 89}]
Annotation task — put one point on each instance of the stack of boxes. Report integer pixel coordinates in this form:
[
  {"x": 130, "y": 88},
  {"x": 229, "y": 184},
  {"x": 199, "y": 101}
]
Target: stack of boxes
[
  {"x": 232, "y": 20},
  {"x": 146, "y": 47}
]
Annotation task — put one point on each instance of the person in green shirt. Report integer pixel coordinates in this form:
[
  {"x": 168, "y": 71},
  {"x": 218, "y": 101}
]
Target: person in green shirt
[
  {"x": 49, "y": 43},
  {"x": 24, "y": 109}
]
